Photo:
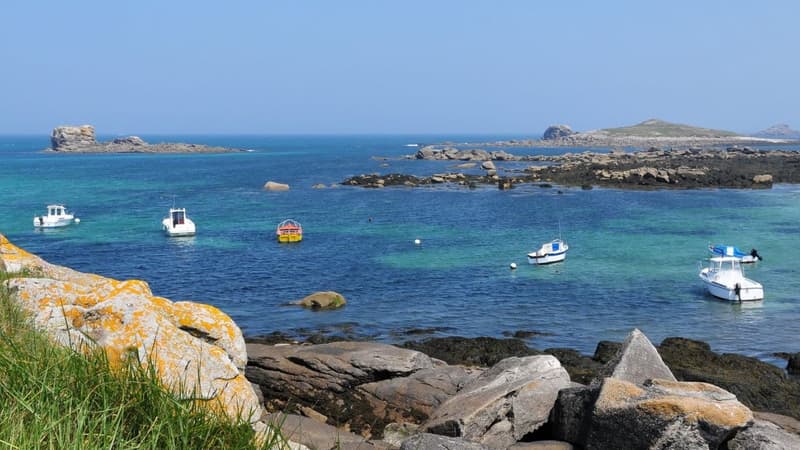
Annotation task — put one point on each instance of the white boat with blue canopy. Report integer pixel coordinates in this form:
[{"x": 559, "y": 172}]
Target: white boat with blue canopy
[
  {"x": 549, "y": 252},
  {"x": 730, "y": 250},
  {"x": 724, "y": 278}
]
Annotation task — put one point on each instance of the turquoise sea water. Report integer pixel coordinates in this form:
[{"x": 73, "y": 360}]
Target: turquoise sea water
[{"x": 633, "y": 260}]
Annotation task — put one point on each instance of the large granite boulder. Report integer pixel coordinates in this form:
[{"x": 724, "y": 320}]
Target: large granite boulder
[
  {"x": 196, "y": 349},
  {"x": 637, "y": 361},
  {"x": 636, "y": 403},
  {"x": 504, "y": 403},
  {"x": 664, "y": 414},
  {"x": 327, "y": 378},
  {"x": 70, "y": 137},
  {"x": 555, "y": 132}
]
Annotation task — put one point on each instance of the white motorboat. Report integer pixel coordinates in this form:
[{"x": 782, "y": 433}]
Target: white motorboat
[
  {"x": 178, "y": 223},
  {"x": 550, "y": 252},
  {"x": 725, "y": 279},
  {"x": 57, "y": 216}
]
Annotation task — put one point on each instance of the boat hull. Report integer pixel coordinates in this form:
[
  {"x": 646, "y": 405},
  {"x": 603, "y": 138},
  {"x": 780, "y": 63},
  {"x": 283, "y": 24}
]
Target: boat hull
[
  {"x": 57, "y": 223},
  {"x": 534, "y": 258},
  {"x": 285, "y": 238},
  {"x": 747, "y": 291},
  {"x": 185, "y": 229}
]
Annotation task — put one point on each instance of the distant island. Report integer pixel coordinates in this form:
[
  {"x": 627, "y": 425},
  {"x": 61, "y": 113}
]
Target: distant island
[
  {"x": 650, "y": 133},
  {"x": 82, "y": 139},
  {"x": 779, "y": 131}
]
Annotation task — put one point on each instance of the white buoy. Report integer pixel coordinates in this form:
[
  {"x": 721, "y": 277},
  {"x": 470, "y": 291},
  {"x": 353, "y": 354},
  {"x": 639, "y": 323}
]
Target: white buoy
[
  {"x": 513, "y": 266},
  {"x": 77, "y": 220},
  {"x": 417, "y": 242}
]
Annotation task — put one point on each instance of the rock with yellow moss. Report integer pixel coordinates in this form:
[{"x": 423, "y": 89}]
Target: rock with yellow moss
[{"x": 197, "y": 350}]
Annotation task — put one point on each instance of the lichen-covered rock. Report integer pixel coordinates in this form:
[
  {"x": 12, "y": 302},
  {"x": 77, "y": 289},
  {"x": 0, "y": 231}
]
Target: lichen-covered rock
[
  {"x": 427, "y": 441},
  {"x": 662, "y": 413},
  {"x": 197, "y": 350},
  {"x": 764, "y": 435},
  {"x": 323, "y": 300}
]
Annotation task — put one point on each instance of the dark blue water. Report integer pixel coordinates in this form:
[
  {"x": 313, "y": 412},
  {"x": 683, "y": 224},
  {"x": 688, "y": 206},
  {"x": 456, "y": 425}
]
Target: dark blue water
[{"x": 633, "y": 260}]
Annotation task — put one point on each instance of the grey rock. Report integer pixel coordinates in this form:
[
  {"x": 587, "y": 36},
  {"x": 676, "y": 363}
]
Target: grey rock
[
  {"x": 504, "y": 403},
  {"x": 542, "y": 445},
  {"x": 637, "y": 361},
  {"x": 427, "y": 441},
  {"x": 395, "y": 433},
  {"x": 130, "y": 140},
  {"x": 488, "y": 165},
  {"x": 421, "y": 392},
  {"x": 555, "y": 132},
  {"x": 764, "y": 435},
  {"x": 316, "y": 435},
  {"x": 327, "y": 377},
  {"x": 570, "y": 418}
]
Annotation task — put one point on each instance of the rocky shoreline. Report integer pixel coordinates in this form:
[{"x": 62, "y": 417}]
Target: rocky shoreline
[
  {"x": 486, "y": 393},
  {"x": 654, "y": 168},
  {"x": 82, "y": 139}
]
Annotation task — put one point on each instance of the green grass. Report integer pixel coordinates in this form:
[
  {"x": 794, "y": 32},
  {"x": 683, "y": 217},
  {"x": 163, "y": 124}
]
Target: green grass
[
  {"x": 54, "y": 398},
  {"x": 659, "y": 128}
]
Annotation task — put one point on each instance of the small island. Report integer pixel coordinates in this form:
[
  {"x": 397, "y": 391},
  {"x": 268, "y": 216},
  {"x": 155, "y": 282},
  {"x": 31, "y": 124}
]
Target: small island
[{"x": 82, "y": 139}]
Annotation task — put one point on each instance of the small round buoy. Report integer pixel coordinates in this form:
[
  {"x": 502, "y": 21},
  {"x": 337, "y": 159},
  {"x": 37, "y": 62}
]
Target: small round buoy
[
  {"x": 513, "y": 266},
  {"x": 417, "y": 242},
  {"x": 77, "y": 220}
]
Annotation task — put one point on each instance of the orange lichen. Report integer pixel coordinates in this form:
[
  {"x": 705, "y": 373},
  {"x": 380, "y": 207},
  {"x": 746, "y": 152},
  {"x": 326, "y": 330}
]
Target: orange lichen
[
  {"x": 726, "y": 414},
  {"x": 615, "y": 393}
]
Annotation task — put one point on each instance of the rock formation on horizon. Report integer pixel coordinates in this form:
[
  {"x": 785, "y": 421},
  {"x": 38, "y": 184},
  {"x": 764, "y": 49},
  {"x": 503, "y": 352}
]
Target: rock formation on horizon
[
  {"x": 554, "y": 132},
  {"x": 82, "y": 139},
  {"x": 778, "y": 131}
]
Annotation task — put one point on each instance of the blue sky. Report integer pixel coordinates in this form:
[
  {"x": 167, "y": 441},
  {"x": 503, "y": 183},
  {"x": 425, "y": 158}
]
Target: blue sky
[{"x": 305, "y": 66}]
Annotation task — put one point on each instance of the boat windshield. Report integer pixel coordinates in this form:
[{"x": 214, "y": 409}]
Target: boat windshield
[{"x": 727, "y": 264}]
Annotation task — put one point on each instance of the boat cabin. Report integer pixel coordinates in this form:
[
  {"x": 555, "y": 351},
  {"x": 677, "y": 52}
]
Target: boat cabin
[
  {"x": 56, "y": 210},
  {"x": 178, "y": 216}
]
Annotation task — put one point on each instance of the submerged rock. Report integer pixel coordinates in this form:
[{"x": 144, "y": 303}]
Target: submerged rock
[{"x": 323, "y": 300}]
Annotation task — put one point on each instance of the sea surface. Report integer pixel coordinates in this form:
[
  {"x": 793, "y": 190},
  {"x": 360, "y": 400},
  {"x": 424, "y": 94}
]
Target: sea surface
[{"x": 633, "y": 260}]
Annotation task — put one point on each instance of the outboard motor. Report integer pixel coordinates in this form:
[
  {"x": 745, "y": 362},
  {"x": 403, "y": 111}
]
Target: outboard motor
[{"x": 754, "y": 254}]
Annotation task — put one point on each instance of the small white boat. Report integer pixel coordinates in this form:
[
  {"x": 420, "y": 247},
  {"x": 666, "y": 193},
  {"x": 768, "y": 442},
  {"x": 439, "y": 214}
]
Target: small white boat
[
  {"x": 725, "y": 279},
  {"x": 57, "y": 216},
  {"x": 550, "y": 252},
  {"x": 178, "y": 223},
  {"x": 730, "y": 250}
]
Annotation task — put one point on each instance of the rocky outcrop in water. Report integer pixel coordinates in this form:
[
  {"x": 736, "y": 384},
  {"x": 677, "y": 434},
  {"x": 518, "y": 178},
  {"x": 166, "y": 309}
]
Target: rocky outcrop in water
[
  {"x": 555, "y": 132},
  {"x": 655, "y": 168},
  {"x": 82, "y": 139}
]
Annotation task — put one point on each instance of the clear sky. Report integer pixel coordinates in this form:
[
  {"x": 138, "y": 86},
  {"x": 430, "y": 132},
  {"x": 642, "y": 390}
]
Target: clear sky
[{"x": 374, "y": 66}]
